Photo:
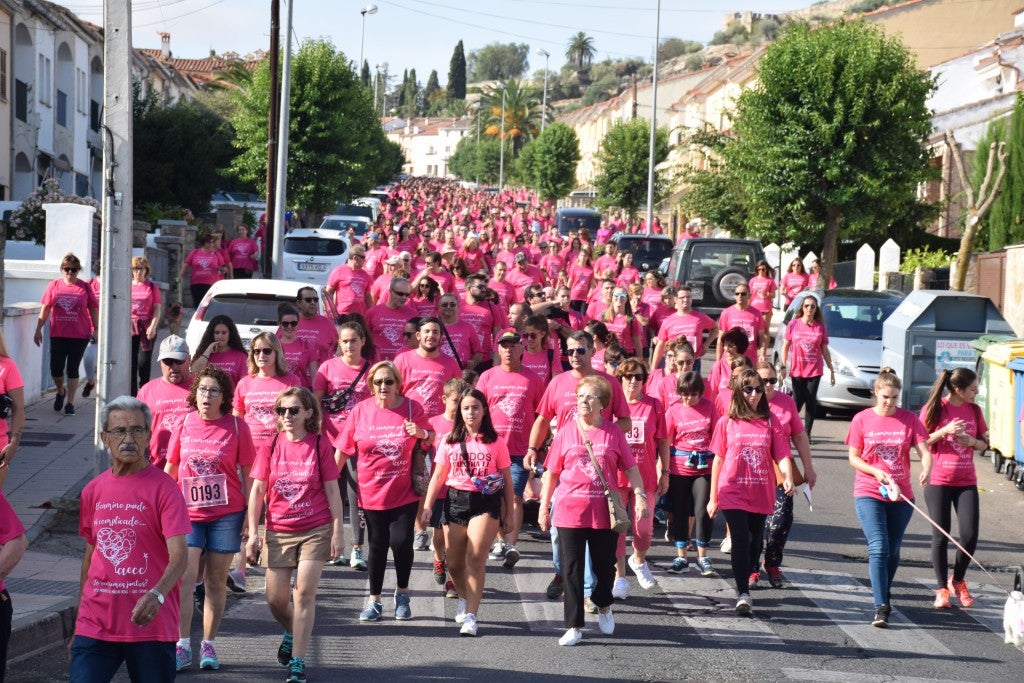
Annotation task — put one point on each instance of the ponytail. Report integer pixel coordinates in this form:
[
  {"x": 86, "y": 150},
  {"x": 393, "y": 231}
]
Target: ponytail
[{"x": 933, "y": 404}]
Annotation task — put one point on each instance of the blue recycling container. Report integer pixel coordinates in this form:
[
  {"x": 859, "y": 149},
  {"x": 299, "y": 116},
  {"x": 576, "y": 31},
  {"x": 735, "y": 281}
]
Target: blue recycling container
[{"x": 1017, "y": 366}]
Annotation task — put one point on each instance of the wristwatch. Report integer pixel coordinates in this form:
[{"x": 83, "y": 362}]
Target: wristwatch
[
  {"x": 642, "y": 495},
  {"x": 158, "y": 595}
]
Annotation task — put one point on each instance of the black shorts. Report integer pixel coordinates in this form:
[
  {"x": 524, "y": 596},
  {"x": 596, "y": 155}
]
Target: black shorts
[{"x": 462, "y": 506}]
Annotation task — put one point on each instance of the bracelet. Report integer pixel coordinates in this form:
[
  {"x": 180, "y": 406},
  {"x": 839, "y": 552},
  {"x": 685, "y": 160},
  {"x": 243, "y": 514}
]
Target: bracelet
[
  {"x": 531, "y": 448},
  {"x": 157, "y": 594}
]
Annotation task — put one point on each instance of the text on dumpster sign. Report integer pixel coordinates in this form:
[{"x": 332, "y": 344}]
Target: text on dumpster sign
[{"x": 951, "y": 354}]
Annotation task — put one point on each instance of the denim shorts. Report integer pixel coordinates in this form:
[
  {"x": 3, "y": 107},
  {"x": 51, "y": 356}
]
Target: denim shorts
[
  {"x": 222, "y": 535},
  {"x": 520, "y": 475}
]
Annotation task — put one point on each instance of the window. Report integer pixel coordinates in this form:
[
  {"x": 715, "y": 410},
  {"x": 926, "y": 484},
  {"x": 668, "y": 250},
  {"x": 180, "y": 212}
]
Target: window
[
  {"x": 62, "y": 109},
  {"x": 44, "y": 80},
  {"x": 21, "y": 100},
  {"x": 81, "y": 100},
  {"x": 94, "y": 116},
  {"x": 3, "y": 75}
]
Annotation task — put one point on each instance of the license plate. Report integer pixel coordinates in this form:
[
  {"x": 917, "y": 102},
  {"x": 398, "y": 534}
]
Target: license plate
[
  {"x": 696, "y": 291},
  {"x": 318, "y": 267}
]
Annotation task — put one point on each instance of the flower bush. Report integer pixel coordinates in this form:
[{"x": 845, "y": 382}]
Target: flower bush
[{"x": 28, "y": 222}]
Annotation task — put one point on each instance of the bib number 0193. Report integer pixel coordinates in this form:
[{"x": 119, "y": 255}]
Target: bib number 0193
[{"x": 205, "y": 491}]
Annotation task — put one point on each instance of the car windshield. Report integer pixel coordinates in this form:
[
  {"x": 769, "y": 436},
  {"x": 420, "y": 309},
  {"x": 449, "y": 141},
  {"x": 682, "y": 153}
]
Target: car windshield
[
  {"x": 647, "y": 249},
  {"x": 345, "y": 224},
  {"x": 251, "y": 309},
  {"x": 712, "y": 257},
  {"x": 591, "y": 223},
  {"x": 857, "y": 318},
  {"x": 313, "y": 246},
  {"x": 354, "y": 210}
]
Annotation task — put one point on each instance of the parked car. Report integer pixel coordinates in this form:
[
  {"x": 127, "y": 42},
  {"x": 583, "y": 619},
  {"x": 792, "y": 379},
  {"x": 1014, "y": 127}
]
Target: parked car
[
  {"x": 248, "y": 200},
  {"x": 371, "y": 202},
  {"x": 252, "y": 304},
  {"x": 577, "y": 219},
  {"x": 648, "y": 250},
  {"x": 353, "y": 226},
  {"x": 713, "y": 267},
  {"x": 853, "y": 318},
  {"x": 354, "y": 209},
  {"x": 310, "y": 254}
]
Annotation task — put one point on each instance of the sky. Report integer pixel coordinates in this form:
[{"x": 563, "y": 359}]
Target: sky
[{"x": 421, "y": 34}]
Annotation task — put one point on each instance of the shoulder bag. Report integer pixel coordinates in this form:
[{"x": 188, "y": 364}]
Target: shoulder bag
[
  {"x": 336, "y": 402},
  {"x": 798, "y": 476},
  {"x": 617, "y": 516},
  {"x": 418, "y": 465}
]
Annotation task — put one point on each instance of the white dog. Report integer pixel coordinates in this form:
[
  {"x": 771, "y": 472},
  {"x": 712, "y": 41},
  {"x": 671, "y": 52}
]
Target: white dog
[{"x": 1013, "y": 620}]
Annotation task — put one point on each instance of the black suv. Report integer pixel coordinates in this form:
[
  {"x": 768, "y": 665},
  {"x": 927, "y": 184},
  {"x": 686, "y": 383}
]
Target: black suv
[
  {"x": 713, "y": 268},
  {"x": 648, "y": 250}
]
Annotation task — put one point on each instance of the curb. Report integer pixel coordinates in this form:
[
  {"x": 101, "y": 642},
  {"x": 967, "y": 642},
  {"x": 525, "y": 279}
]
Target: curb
[
  {"x": 44, "y": 521},
  {"x": 42, "y": 635}
]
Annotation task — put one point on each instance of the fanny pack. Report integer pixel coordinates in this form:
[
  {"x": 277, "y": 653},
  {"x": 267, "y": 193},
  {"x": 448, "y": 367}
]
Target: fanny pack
[
  {"x": 695, "y": 459},
  {"x": 488, "y": 485}
]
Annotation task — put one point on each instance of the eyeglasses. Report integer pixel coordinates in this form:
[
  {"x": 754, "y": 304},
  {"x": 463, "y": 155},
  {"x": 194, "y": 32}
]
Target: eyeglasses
[
  {"x": 121, "y": 432},
  {"x": 578, "y": 351},
  {"x": 383, "y": 382},
  {"x": 530, "y": 335},
  {"x": 287, "y": 410},
  {"x": 635, "y": 378},
  {"x": 264, "y": 351},
  {"x": 171, "y": 361},
  {"x": 397, "y": 293},
  {"x": 289, "y": 323},
  {"x": 311, "y": 299},
  {"x": 684, "y": 361},
  {"x": 209, "y": 391},
  {"x": 71, "y": 270},
  {"x": 770, "y": 380},
  {"x": 742, "y": 293},
  {"x": 748, "y": 390}
]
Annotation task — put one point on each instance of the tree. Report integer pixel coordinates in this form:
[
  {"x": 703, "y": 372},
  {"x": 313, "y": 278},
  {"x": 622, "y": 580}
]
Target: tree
[
  {"x": 580, "y": 53},
  {"x": 336, "y": 146},
  {"x": 364, "y": 75},
  {"x": 499, "y": 61},
  {"x": 522, "y": 112},
  {"x": 457, "y": 73},
  {"x": 832, "y": 137},
  {"x": 471, "y": 160},
  {"x": 432, "y": 87},
  {"x": 1005, "y": 220},
  {"x": 714, "y": 192},
  {"x": 671, "y": 48},
  {"x": 555, "y": 155},
  {"x": 623, "y": 160}
]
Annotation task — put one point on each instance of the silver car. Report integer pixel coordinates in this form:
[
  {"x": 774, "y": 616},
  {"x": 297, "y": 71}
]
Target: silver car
[{"x": 853, "y": 318}]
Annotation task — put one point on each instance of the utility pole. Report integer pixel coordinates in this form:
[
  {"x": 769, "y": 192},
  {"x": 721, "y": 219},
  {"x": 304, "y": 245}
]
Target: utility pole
[
  {"x": 654, "y": 122},
  {"x": 114, "y": 332},
  {"x": 275, "y": 78},
  {"x": 282, "y": 146}
]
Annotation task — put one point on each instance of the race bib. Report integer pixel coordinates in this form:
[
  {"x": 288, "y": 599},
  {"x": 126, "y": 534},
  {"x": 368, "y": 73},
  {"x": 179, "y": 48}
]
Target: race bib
[
  {"x": 635, "y": 435},
  {"x": 204, "y": 491}
]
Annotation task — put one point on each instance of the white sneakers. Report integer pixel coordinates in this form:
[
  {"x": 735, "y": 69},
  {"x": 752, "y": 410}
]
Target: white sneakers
[
  {"x": 468, "y": 625},
  {"x": 606, "y": 622},
  {"x": 726, "y": 546},
  {"x": 745, "y": 604},
  {"x": 620, "y": 591},
  {"x": 643, "y": 573},
  {"x": 460, "y": 611},
  {"x": 572, "y": 637}
]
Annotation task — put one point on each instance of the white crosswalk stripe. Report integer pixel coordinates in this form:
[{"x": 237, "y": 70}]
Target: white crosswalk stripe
[
  {"x": 850, "y": 677},
  {"x": 848, "y": 603}
]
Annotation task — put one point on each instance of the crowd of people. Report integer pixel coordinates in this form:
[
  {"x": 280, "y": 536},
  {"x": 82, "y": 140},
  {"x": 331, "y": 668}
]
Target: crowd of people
[{"x": 479, "y": 360}]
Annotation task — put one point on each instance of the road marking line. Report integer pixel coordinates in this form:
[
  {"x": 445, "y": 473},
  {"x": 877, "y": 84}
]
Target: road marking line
[
  {"x": 849, "y": 605},
  {"x": 542, "y": 614},
  {"x": 710, "y": 600},
  {"x": 846, "y": 676},
  {"x": 987, "y": 609},
  {"x": 428, "y": 601}
]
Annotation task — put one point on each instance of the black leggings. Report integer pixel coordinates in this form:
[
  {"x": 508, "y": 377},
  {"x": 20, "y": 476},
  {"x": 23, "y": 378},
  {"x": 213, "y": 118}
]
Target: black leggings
[
  {"x": 572, "y": 546},
  {"x": 690, "y": 496},
  {"x": 142, "y": 364},
  {"x": 747, "y": 529},
  {"x": 66, "y": 352},
  {"x": 390, "y": 529},
  {"x": 348, "y": 483},
  {"x": 805, "y": 391},
  {"x": 941, "y": 500}
]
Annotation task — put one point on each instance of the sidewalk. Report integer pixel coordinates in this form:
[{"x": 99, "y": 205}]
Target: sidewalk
[{"x": 52, "y": 466}]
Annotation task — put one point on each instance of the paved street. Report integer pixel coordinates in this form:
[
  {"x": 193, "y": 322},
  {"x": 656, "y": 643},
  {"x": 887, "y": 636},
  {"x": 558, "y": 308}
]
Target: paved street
[{"x": 817, "y": 629}]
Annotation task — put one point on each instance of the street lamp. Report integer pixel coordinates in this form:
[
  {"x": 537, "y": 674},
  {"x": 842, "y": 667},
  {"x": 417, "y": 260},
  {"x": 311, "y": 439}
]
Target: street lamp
[
  {"x": 369, "y": 9},
  {"x": 544, "y": 107},
  {"x": 501, "y": 139}
]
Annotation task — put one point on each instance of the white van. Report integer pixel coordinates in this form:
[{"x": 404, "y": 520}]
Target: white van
[{"x": 310, "y": 254}]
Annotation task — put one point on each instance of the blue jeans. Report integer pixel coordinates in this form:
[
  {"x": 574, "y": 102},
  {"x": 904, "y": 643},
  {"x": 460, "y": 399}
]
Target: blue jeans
[
  {"x": 589, "y": 579},
  {"x": 96, "y": 661},
  {"x": 883, "y": 524}
]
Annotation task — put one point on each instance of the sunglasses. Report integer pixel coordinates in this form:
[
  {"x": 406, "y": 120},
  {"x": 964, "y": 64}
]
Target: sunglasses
[
  {"x": 289, "y": 323},
  {"x": 383, "y": 382},
  {"x": 287, "y": 410},
  {"x": 742, "y": 293},
  {"x": 71, "y": 270},
  {"x": 397, "y": 293},
  {"x": 748, "y": 390},
  {"x": 620, "y": 296},
  {"x": 171, "y": 361},
  {"x": 770, "y": 380},
  {"x": 530, "y": 335},
  {"x": 311, "y": 299},
  {"x": 684, "y": 361},
  {"x": 265, "y": 351},
  {"x": 578, "y": 351},
  {"x": 635, "y": 378}
]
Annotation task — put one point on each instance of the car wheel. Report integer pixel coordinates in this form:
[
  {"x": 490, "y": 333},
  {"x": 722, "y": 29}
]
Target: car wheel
[
  {"x": 725, "y": 284},
  {"x": 997, "y": 460}
]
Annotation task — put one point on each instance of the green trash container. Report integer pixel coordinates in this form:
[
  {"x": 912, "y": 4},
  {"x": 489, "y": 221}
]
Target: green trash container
[{"x": 980, "y": 345}]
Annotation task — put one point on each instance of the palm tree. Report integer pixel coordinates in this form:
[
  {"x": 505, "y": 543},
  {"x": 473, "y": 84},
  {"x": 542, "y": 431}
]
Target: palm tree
[
  {"x": 581, "y": 53},
  {"x": 522, "y": 112},
  {"x": 236, "y": 75}
]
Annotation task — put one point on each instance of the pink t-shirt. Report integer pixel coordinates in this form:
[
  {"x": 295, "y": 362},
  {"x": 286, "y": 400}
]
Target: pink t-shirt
[
  {"x": 208, "y": 454},
  {"x": 663, "y": 387},
  {"x": 465, "y": 340},
  {"x": 544, "y": 363},
  {"x": 425, "y": 308},
  {"x": 793, "y": 284},
  {"x": 233, "y": 362},
  {"x": 440, "y": 425},
  {"x": 10, "y": 378},
  {"x": 750, "y": 321},
  {"x": 10, "y": 526},
  {"x": 603, "y": 264},
  {"x": 719, "y": 377},
  {"x": 805, "y": 342},
  {"x": 626, "y": 329},
  {"x": 69, "y": 315},
  {"x": 722, "y": 401},
  {"x": 627, "y": 276},
  {"x": 647, "y": 428},
  {"x": 512, "y": 398},
  {"x": 242, "y": 251},
  {"x": 505, "y": 291},
  {"x": 299, "y": 354},
  {"x": 145, "y": 296},
  {"x": 692, "y": 326},
  {"x": 387, "y": 326},
  {"x": 762, "y": 293},
  {"x": 350, "y": 286},
  {"x": 580, "y": 280},
  {"x": 128, "y": 521},
  {"x": 254, "y": 400},
  {"x": 690, "y": 429},
  {"x": 377, "y": 436},
  {"x": 884, "y": 442},
  {"x": 423, "y": 379},
  {"x": 482, "y": 317},
  {"x": 484, "y": 459},
  {"x": 335, "y": 375},
  {"x": 553, "y": 266},
  {"x": 205, "y": 266},
  {"x": 168, "y": 404},
  {"x": 747, "y": 478},
  {"x": 579, "y": 497},
  {"x": 559, "y": 399},
  {"x": 295, "y": 474},
  {"x": 321, "y": 333},
  {"x": 953, "y": 464},
  {"x": 785, "y": 416}
]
